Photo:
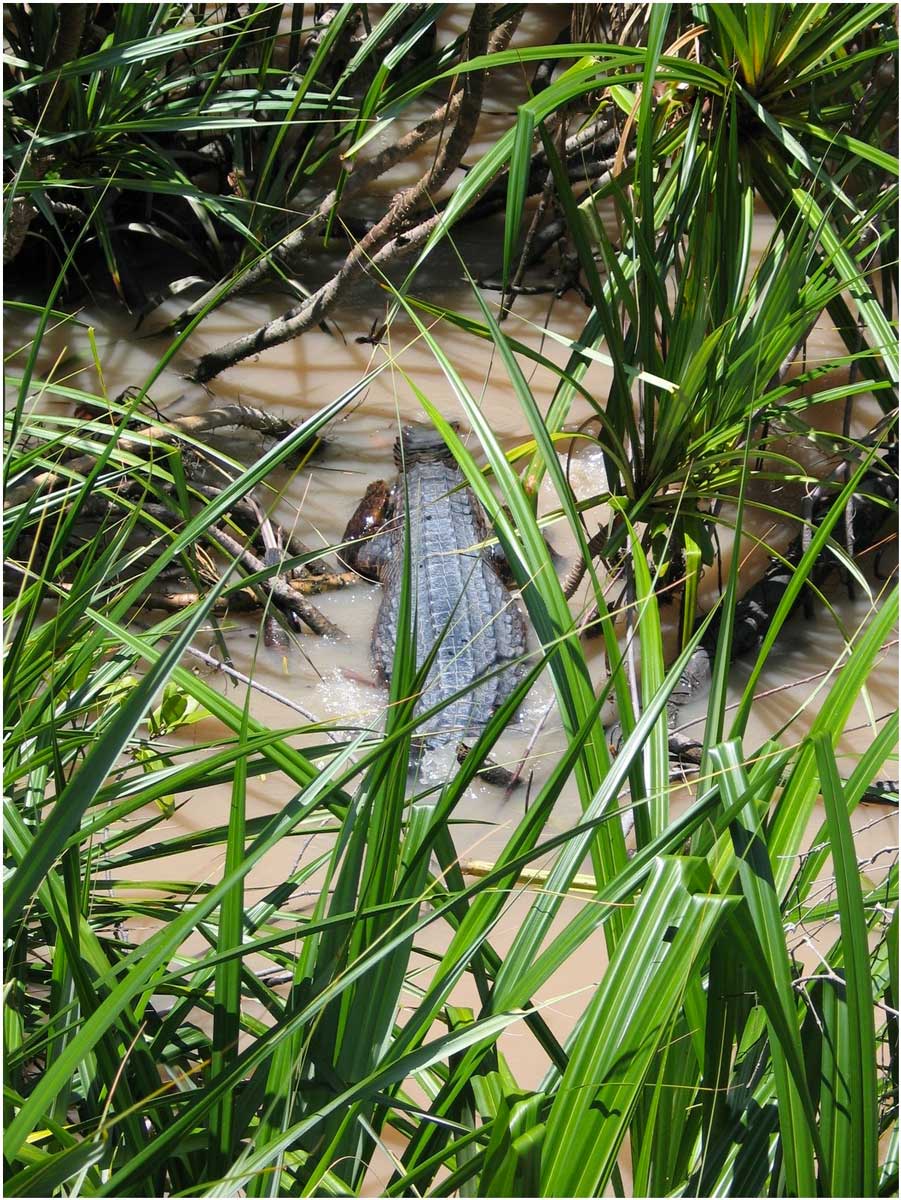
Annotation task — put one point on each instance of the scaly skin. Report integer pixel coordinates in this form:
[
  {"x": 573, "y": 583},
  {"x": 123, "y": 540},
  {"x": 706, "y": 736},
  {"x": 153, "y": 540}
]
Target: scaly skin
[{"x": 455, "y": 586}]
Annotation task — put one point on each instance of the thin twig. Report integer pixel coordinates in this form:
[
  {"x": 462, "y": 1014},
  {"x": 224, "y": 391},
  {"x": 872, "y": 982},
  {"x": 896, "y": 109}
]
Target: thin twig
[
  {"x": 527, "y": 753},
  {"x": 217, "y": 665}
]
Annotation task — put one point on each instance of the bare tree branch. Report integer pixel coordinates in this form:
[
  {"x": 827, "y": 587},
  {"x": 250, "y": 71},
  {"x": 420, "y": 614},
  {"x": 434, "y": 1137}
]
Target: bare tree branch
[
  {"x": 391, "y": 226},
  {"x": 283, "y": 594}
]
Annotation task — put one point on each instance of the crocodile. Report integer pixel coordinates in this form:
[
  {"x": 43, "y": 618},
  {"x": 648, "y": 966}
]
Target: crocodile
[{"x": 462, "y": 603}]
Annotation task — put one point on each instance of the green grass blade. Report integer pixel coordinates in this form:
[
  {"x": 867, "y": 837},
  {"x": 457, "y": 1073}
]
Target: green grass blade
[
  {"x": 795, "y": 804},
  {"x": 764, "y": 916},
  {"x": 52, "y": 1171},
  {"x": 884, "y": 339},
  {"x": 227, "y": 995},
  {"x": 517, "y": 183},
  {"x": 849, "y": 1108},
  {"x": 801, "y": 575}
]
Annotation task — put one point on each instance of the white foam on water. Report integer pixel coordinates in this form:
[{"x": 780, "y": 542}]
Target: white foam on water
[
  {"x": 533, "y": 708},
  {"x": 437, "y": 764},
  {"x": 587, "y": 470},
  {"x": 349, "y": 700}
]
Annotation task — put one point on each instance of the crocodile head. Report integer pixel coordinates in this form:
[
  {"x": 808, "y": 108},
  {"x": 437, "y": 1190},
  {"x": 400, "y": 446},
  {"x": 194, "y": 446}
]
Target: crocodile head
[{"x": 421, "y": 443}]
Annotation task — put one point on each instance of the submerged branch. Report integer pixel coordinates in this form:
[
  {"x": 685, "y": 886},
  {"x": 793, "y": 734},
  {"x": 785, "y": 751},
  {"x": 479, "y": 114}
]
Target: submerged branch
[{"x": 246, "y": 600}]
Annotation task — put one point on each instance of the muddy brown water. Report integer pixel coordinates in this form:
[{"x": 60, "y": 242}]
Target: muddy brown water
[{"x": 332, "y": 679}]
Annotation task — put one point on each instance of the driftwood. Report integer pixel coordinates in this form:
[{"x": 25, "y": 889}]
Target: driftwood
[
  {"x": 282, "y": 594},
  {"x": 379, "y": 247},
  {"x": 247, "y": 600},
  {"x": 258, "y": 531},
  {"x": 414, "y": 211}
]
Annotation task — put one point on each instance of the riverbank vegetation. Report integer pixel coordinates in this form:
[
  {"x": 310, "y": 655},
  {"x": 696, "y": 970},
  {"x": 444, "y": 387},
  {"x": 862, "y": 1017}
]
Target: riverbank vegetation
[{"x": 171, "y": 1036}]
